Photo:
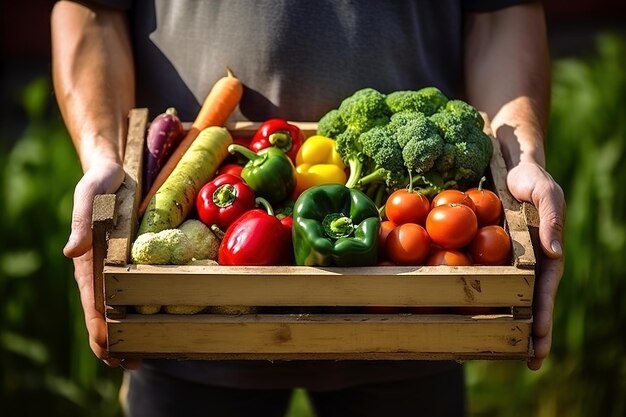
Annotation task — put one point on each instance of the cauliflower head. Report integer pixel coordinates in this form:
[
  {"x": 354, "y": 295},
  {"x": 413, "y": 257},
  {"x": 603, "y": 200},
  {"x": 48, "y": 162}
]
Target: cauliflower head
[
  {"x": 169, "y": 246},
  {"x": 204, "y": 241}
]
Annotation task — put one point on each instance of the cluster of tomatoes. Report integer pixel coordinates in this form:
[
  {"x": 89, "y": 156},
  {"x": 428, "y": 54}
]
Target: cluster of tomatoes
[{"x": 455, "y": 228}]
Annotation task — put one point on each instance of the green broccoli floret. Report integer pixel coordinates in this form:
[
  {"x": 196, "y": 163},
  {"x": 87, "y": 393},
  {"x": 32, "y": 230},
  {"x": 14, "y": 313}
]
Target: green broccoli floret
[
  {"x": 401, "y": 119},
  {"x": 427, "y": 100},
  {"x": 386, "y": 154},
  {"x": 420, "y": 140},
  {"x": 349, "y": 148},
  {"x": 472, "y": 158},
  {"x": 382, "y": 147},
  {"x": 451, "y": 126},
  {"x": 467, "y": 149},
  {"x": 420, "y": 155},
  {"x": 445, "y": 163},
  {"x": 331, "y": 124},
  {"x": 364, "y": 109},
  {"x": 465, "y": 111},
  {"x": 169, "y": 246}
]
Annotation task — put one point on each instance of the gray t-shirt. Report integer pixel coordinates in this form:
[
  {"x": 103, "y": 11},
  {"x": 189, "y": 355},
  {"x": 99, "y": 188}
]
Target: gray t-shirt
[{"x": 297, "y": 59}]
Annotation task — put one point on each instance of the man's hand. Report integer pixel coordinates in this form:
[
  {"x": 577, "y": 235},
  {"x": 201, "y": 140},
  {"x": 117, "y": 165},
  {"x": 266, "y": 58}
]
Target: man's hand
[
  {"x": 532, "y": 183},
  {"x": 102, "y": 178}
]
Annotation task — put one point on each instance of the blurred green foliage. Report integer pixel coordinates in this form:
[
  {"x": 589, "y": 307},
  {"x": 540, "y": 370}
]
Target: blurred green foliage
[
  {"x": 45, "y": 361},
  {"x": 47, "y": 366},
  {"x": 586, "y": 372}
]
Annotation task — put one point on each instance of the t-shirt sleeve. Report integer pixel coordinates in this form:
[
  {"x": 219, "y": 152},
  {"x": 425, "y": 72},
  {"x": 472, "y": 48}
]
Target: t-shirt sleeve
[{"x": 490, "y": 5}]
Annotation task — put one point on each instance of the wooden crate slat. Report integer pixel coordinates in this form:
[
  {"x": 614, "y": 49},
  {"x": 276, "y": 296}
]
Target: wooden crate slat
[
  {"x": 102, "y": 221},
  {"x": 295, "y": 335},
  {"x": 129, "y": 193},
  {"x": 284, "y": 286}
]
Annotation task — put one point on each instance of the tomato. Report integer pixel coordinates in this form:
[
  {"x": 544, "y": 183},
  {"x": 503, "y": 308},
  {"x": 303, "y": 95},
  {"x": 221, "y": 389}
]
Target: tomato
[
  {"x": 404, "y": 206},
  {"x": 488, "y": 206},
  {"x": 385, "y": 228},
  {"x": 407, "y": 244},
  {"x": 452, "y": 197},
  {"x": 491, "y": 246},
  {"x": 448, "y": 257},
  {"x": 452, "y": 226}
]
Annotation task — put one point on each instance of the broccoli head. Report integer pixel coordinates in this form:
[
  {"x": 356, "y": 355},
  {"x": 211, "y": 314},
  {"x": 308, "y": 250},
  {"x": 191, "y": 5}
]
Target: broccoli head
[
  {"x": 452, "y": 127},
  {"x": 386, "y": 156},
  {"x": 382, "y": 148},
  {"x": 401, "y": 119},
  {"x": 419, "y": 138},
  {"x": 364, "y": 109},
  {"x": 331, "y": 124},
  {"x": 467, "y": 149},
  {"x": 465, "y": 112},
  {"x": 420, "y": 155},
  {"x": 349, "y": 147},
  {"x": 471, "y": 158},
  {"x": 445, "y": 163},
  {"x": 427, "y": 100},
  {"x": 169, "y": 246}
]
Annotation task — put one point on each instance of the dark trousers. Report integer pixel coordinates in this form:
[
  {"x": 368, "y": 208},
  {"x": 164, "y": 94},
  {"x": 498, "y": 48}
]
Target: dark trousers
[{"x": 152, "y": 394}]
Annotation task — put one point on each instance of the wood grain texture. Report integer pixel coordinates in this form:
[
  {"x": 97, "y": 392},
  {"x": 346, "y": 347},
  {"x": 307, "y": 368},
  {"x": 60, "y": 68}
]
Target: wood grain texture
[
  {"x": 318, "y": 336},
  {"x": 129, "y": 193}
]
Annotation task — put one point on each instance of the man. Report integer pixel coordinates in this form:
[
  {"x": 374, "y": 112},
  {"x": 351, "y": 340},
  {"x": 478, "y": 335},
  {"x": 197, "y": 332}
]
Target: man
[{"x": 298, "y": 60}]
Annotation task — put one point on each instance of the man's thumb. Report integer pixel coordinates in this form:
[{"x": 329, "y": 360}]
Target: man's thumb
[{"x": 79, "y": 241}]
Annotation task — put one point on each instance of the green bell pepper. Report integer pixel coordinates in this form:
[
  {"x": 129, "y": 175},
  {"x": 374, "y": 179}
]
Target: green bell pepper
[
  {"x": 335, "y": 226},
  {"x": 269, "y": 172}
]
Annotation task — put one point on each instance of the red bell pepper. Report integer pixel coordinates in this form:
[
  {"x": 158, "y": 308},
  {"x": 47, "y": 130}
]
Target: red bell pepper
[
  {"x": 257, "y": 238},
  {"x": 232, "y": 169},
  {"x": 279, "y": 133},
  {"x": 223, "y": 200}
]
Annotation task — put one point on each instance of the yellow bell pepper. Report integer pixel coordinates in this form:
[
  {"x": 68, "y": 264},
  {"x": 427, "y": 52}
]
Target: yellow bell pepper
[{"x": 317, "y": 162}]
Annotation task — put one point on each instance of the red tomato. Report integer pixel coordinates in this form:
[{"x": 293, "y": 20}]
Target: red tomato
[
  {"x": 385, "y": 228},
  {"x": 448, "y": 257},
  {"x": 452, "y": 197},
  {"x": 407, "y": 244},
  {"x": 491, "y": 246},
  {"x": 404, "y": 206},
  {"x": 488, "y": 206},
  {"x": 452, "y": 226}
]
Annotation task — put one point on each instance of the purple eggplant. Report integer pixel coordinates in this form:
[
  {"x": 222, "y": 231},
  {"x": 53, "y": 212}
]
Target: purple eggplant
[{"x": 164, "y": 134}]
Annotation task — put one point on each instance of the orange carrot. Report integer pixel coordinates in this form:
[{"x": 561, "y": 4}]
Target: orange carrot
[{"x": 217, "y": 107}]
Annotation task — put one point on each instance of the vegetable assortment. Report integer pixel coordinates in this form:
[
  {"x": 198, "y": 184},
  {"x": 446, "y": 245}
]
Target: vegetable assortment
[
  {"x": 221, "y": 101},
  {"x": 387, "y": 179}
]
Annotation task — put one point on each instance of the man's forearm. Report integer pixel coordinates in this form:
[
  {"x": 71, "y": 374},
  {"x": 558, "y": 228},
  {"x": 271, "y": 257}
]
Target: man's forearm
[
  {"x": 93, "y": 78},
  {"x": 507, "y": 76}
]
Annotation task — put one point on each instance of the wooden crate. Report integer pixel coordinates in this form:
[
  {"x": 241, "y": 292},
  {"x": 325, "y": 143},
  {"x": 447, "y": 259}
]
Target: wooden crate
[{"x": 290, "y": 332}]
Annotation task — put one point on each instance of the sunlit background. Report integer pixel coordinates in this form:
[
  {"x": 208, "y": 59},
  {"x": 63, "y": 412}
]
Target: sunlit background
[{"x": 46, "y": 366}]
